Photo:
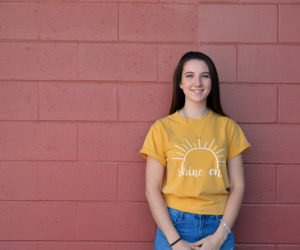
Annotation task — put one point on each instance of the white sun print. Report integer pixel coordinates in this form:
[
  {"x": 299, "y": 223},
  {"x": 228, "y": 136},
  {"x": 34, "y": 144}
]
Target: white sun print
[{"x": 206, "y": 150}]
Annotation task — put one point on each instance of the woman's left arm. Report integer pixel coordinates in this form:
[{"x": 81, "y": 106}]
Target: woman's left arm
[{"x": 233, "y": 204}]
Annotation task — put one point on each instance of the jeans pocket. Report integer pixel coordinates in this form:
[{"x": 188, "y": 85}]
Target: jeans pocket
[{"x": 175, "y": 215}]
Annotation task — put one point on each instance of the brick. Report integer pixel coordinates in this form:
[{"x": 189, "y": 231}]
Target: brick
[
  {"x": 79, "y": 21},
  {"x": 131, "y": 182},
  {"x": 268, "y": 63},
  {"x": 135, "y": 246},
  {"x": 288, "y": 184},
  {"x": 111, "y": 142},
  {"x": 144, "y": 102},
  {"x": 19, "y": 21},
  {"x": 85, "y": 181},
  {"x": 18, "y": 181},
  {"x": 289, "y": 20},
  {"x": 126, "y": 62},
  {"x": 75, "y": 101},
  {"x": 260, "y": 183},
  {"x": 37, "y": 221},
  {"x": 115, "y": 222},
  {"x": 272, "y": 143},
  {"x": 237, "y": 23},
  {"x": 18, "y": 101},
  {"x": 168, "y": 57},
  {"x": 237, "y": 100},
  {"x": 38, "y": 61},
  {"x": 288, "y": 108},
  {"x": 75, "y": 246},
  {"x": 159, "y": 22},
  {"x": 38, "y": 141},
  {"x": 268, "y": 224},
  {"x": 10, "y": 245}
]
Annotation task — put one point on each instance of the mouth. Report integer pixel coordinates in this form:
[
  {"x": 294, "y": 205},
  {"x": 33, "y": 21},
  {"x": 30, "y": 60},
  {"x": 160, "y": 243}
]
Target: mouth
[{"x": 197, "y": 91}]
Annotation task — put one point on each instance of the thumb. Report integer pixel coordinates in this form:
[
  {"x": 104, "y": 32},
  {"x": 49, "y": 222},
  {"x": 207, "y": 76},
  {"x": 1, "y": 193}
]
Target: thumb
[{"x": 198, "y": 243}]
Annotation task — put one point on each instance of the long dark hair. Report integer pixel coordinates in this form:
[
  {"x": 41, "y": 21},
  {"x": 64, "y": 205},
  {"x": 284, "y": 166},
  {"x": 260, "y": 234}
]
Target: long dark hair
[{"x": 213, "y": 99}]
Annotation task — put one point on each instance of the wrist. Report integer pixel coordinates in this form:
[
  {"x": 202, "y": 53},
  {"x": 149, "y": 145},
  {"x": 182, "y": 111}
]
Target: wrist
[{"x": 175, "y": 242}]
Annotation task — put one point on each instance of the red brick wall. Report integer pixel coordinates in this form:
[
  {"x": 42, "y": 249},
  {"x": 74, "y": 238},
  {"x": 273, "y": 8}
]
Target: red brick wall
[{"x": 80, "y": 84}]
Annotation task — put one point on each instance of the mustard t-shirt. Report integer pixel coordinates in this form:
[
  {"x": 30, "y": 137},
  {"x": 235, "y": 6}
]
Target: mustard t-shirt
[{"x": 195, "y": 153}]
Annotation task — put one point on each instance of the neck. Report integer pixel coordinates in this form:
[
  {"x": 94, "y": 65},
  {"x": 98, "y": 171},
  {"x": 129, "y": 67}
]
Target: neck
[{"x": 194, "y": 110}]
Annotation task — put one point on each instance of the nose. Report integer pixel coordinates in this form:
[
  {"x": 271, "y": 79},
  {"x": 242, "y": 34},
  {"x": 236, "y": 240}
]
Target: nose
[{"x": 199, "y": 82}]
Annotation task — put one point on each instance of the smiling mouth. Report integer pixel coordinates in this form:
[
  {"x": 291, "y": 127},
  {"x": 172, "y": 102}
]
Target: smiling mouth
[{"x": 197, "y": 91}]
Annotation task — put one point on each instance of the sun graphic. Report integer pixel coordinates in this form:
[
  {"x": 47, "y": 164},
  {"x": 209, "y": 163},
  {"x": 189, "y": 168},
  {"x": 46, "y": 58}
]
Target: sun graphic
[{"x": 187, "y": 149}]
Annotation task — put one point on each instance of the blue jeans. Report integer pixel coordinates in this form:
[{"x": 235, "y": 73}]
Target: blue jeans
[{"x": 192, "y": 228}]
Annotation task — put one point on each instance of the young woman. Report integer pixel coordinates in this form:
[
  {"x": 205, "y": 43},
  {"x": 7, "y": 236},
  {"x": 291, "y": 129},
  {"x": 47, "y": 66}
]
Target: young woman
[{"x": 194, "y": 168}]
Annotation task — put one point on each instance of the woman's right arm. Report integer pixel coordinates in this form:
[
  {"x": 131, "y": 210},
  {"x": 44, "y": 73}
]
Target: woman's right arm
[{"x": 154, "y": 179}]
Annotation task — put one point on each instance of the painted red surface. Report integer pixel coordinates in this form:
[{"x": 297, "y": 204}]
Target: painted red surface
[{"x": 82, "y": 81}]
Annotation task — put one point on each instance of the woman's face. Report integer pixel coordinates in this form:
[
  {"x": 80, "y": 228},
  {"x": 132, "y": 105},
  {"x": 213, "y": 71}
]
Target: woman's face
[{"x": 195, "y": 81}]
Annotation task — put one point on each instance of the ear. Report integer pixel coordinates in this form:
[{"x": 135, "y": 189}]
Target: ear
[{"x": 180, "y": 85}]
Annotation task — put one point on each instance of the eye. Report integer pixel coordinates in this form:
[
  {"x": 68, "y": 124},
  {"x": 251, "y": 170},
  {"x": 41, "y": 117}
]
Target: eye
[
  {"x": 189, "y": 76},
  {"x": 206, "y": 76}
]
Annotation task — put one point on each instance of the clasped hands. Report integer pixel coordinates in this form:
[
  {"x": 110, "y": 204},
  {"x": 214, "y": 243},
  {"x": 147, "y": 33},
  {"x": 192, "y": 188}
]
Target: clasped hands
[{"x": 211, "y": 242}]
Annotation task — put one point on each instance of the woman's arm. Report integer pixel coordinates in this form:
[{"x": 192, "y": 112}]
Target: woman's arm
[
  {"x": 154, "y": 179},
  {"x": 233, "y": 204}
]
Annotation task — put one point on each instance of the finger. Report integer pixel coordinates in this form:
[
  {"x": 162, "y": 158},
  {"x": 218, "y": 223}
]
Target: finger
[{"x": 199, "y": 243}]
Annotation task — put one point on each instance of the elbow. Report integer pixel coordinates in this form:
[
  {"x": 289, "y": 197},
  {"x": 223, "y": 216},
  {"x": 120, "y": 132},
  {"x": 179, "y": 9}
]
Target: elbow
[{"x": 151, "y": 192}]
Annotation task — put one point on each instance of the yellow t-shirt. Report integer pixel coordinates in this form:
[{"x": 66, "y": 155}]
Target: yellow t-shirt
[{"x": 195, "y": 153}]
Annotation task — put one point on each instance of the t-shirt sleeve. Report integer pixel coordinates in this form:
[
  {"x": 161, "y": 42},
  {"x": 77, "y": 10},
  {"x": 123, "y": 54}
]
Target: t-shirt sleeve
[
  {"x": 154, "y": 144},
  {"x": 237, "y": 141}
]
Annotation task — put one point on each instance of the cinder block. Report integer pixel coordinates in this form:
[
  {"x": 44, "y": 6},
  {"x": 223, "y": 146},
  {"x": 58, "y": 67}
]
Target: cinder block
[
  {"x": 288, "y": 247},
  {"x": 288, "y": 184},
  {"x": 168, "y": 57},
  {"x": 37, "y": 221},
  {"x": 10, "y": 245},
  {"x": 131, "y": 182},
  {"x": 115, "y": 222},
  {"x": 158, "y": 22},
  {"x": 75, "y": 246},
  {"x": 272, "y": 143},
  {"x": 76, "y": 101},
  {"x": 135, "y": 246},
  {"x": 268, "y": 63},
  {"x": 144, "y": 102},
  {"x": 19, "y": 20},
  {"x": 224, "y": 57},
  {"x": 77, "y": 181},
  {"x": 38, "y": 61},
  {"x": 18, "y": 181},
  {"x": 255, "y": 247},
  {"x": 268, "y": 224},
  {"x": 289, "y": 20},
  {"x": 111, "y": 141},
  {"x": 237, "y": 23},
  {"x": 79, "y": 21},
  {"x": 241, "y": 102},
  {"x": 269, "y": 1},
  {"x": 126, "y": 62},
  {"x": 260, "y": 183},
  {"x": 18, "y": 101},
  {"x": 38, "y": 141},
  {"x": 289, "y": 103}
]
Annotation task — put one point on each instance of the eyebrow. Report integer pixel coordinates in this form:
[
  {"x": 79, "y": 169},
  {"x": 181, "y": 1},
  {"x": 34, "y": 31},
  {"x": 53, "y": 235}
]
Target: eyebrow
[{"x": 190, "y": 72}]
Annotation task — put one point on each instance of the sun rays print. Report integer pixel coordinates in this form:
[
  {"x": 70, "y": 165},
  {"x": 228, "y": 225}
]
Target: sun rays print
[{"x": 196, "y": 156}]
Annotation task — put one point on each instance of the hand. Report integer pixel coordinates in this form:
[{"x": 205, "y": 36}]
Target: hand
[
  {"x": 210, "y": 242},
  {"x": 182, "y": 245}
]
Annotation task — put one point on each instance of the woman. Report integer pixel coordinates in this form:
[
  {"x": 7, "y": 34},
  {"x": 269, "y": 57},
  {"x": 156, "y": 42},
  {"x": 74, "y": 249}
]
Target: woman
[{"x": 194, "y": 168}]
